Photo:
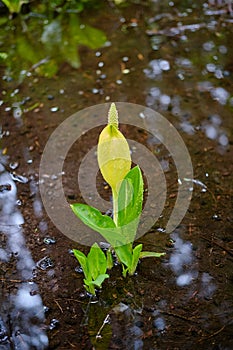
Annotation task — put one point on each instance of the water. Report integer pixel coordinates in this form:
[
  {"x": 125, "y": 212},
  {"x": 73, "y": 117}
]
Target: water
[
  {"x": 24, "y": 306},
  {"x": 172, "y": 56}
]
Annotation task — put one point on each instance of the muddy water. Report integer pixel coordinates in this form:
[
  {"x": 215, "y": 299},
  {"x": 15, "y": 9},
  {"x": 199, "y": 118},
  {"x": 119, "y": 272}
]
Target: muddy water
[{"x": 176, "y": 58}]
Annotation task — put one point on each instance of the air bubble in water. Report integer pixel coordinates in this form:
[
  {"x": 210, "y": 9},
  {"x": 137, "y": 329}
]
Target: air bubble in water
[{"x": 17, "y": 113}]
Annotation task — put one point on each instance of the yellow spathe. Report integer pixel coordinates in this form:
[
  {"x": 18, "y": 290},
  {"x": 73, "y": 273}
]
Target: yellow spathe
[{"x": 113, "y": 152}]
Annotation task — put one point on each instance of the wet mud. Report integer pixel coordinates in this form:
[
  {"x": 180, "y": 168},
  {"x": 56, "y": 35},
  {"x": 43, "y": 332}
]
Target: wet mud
[{"x": 174, "y": 57}]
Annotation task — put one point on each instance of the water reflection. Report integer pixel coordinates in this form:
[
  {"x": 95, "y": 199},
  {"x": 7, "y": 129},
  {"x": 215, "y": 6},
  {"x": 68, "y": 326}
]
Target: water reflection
[
  {"x": 214, "y": 131},
  {"x": 156, "y": 68},
  {"x": 24, "y": 309},
  {"x": 208, "y": 286},
  {"x": 196, "y": 66},
  {"x": 161, "y": 101},
  {"x": 188, "y": 78},
  {"x": 181, "y": 261},
  {"x": 159, "y": 323},
  {"x": 220, "y": 94}
]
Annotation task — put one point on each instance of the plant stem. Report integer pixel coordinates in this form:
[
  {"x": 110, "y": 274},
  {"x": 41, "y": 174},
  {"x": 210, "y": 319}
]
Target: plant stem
[
  {"x": 115, "y": 206},
  {"x": 90, "y": 289}
]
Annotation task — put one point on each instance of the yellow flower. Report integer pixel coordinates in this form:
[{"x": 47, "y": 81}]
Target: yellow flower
[
  {"x": 113, "y": 156},
  {"x": 113, "y": 152}
]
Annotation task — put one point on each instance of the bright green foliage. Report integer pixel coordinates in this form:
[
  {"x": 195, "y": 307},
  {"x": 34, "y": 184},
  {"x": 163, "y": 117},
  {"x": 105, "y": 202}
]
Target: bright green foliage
[
  {"x": 14, "y": 6},
  {"x": 120, "y": 237},
  {"x": 41, "y": 40},
  {"x": 103, "y": 224},
  {"x": 130, "y": 200},
  {"x": 130, "y": 207},
  {"x": 3, "y": 56},
  {"x": 74, "y": 6},
  {"x": 94, "y": 267},
  {"x": 119, "y": 232},
  {"x": 109, "y": 259},
  {"x": 43, "y": 46}
]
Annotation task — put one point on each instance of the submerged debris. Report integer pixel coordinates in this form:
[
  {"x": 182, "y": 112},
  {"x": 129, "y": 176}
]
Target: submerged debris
[
  {"x": 45, "y": 263},
  {"x": 19, "y": 178},
  {"x": 54, "y": 323},
  {"x": 5, "y": 188},
  {"x": 173, "y": 31},
  {"x": 197, "y": 182},
  {"x": 49, "y": 240},
  {"x": 4, "y": 339},
  {"x": 14, "y": 165}
]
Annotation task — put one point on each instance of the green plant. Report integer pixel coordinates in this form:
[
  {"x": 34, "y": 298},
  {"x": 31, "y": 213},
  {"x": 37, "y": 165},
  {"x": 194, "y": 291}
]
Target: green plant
[
  {"x": 44, "y": 45},
  {"x": 14, "y": 6},
  {"x": 94, "y": 267},
  {"x": 127, "y": 190}
]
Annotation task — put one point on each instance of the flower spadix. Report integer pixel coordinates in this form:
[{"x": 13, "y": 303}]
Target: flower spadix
[{"x": 113, "y": 152}]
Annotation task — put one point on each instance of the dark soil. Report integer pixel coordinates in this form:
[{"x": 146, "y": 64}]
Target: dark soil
[{"x": 149, "y": 310}]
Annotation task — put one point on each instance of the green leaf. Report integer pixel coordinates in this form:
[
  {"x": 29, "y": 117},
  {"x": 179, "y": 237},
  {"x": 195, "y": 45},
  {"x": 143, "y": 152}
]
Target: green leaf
[
  {"x": 3, "y": 56},
  {"x": 71, "y": 55},
  {"x": 94, "y": 267},
  {"x": 125, "y": 199},
  {"x": 96, "y": 261},
  {"x": 100, "y": 279},
  {"x": 86, "y": 35},
  {"x": 124, "y": 271},
  {"x": 130, "y": 197},
  {"x": 92, "y": 217},
  {"x": 48, "y": 69},
  {"x": 103, "y": 224},
  {"x": 26, "y": 51},
  {"x": 136, "y": 255},
  {"x": 82, "y": 261},
  {"x": 151, "y": 255},
  {"x": 69, "y": 47},
  {"x": 109, "y": 260},
  {"x": 130, "y": 201},
  {"x": 124, "y": 254},
  {"x": 3, "y": 20},
  {"x": 89, "y": 286},
  {"x": 14, "y": 6}
]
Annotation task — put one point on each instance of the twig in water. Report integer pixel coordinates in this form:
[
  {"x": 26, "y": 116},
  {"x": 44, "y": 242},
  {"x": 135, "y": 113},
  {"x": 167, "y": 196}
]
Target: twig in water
[
  {"x": 212, "y": 335},
  {"x": 189, "y": 319},
  {"x": 213, "y": 241},
  {"x": 106, "y": 320},
  {"x": 59, "y": 306},
  {"x": 12, "y": 281}
]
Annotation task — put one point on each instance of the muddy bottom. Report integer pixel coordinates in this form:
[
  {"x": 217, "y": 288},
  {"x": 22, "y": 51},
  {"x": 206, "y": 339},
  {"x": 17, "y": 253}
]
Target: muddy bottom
[{"x": 176, "y": 59}]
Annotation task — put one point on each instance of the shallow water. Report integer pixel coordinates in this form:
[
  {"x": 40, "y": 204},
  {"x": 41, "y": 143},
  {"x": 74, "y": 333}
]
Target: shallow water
[
  {"x": 176, "y": 58},
  {"x": 22, "y": 311}
]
